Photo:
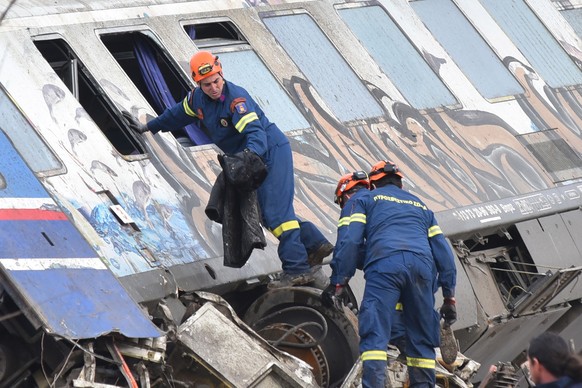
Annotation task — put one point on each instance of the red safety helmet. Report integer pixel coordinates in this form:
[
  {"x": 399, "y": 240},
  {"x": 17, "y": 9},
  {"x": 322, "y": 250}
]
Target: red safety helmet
[
  {"x": 348, "y": 182},
  {"x": 382, "y": 169},
  {"x": 203, "y": 64}
]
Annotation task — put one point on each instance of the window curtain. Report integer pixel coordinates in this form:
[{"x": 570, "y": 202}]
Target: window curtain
[{"x": 158, "y": 88}]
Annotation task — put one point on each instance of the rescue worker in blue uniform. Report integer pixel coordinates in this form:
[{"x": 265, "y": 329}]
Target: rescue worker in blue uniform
[
  {"x": 349, "y": 188},
  {"x": 406, "y": 252},
  {"x": 235, "y": 123}
]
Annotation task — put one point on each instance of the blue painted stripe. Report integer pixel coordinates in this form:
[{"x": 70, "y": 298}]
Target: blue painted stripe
[
  {"x": 83, "y": 303},
  {"x": 42, "y": 239},
  {"x": 78, "y": 302}
]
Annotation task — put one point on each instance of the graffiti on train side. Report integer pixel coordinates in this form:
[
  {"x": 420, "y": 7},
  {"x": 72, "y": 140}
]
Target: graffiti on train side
[{"x": 451, "y": 158}]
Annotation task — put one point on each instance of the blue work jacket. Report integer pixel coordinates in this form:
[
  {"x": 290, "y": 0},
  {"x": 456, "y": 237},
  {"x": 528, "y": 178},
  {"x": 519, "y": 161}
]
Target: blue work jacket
[
  {"x": 389, "y": 220},
  {"x": 233, "y": 122}
]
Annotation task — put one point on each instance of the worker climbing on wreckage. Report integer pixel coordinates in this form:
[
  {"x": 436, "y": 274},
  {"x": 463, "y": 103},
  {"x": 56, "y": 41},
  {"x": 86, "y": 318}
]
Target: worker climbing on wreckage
[
  {"x": 349, "y": 188},
  {"x": 238, "y": 126},
  {"x": 406, "y": 253}
]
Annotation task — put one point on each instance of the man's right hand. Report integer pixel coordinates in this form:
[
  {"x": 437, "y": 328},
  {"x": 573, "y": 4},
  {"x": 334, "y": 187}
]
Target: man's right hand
[
  {"x": 134, "y": 123},
  {"x": 335, "y": 295}
]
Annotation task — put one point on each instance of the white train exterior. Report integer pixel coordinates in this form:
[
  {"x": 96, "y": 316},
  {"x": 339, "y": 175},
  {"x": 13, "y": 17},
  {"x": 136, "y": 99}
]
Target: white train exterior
[{"x": 103, "y": 232}]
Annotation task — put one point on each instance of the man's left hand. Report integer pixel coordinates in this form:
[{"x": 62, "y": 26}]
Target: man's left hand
[{"x": 449, "y": 311}]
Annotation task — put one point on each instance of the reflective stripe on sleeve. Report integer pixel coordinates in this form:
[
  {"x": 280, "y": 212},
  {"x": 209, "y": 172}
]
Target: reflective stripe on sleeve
[
  {"x": 344, "y": 221},
  {"x": 358, "y": 217},
  {"x": 187, "y": 108},
  {"x": 425, "y": 363},
  {"x": 434, "y": 230},
  {"x": 284, "y": 227},
  {"x": 378, "y": 355},
  {"x": 242, "y": 123}
]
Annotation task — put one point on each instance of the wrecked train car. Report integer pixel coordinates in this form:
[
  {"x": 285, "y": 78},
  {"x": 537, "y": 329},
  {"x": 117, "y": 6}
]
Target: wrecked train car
[{"x": 111, "y": 272}]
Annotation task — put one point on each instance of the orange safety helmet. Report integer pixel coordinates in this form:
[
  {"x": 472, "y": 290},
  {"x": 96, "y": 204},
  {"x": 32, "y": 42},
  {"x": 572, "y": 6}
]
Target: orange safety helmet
[
  {"x": 204, "y": 64},
  {"x": 348, "y": 182},
  {"x": 382, "y": 169}
]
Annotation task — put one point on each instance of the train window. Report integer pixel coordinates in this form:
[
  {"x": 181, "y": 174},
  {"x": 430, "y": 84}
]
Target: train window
[
  {"x": 531, "y": 37},
  {"x": 243, "y": 66},
  {"x": 408, "y": 70},
  {"x": 454, "y": 32},
  {"x": 156, "y": 76},
  {"x": 29, "y": 145},
  {"x": 574, "y": 17},
  {"x": 334, "y": 80},
  {"x": 213, "y": 35},
  {"x": 557, "y": 157},
  {"x": 89, "y": 94}
]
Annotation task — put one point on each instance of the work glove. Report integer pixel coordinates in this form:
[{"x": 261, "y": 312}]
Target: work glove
[
  {"x": 335, "y": 295},
  {"x": 134, "y": 123},
  {"x": 449, "y": 311}
]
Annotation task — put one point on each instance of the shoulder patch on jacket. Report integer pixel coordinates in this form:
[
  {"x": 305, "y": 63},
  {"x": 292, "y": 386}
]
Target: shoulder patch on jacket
[{"x": 239, "y": 104}]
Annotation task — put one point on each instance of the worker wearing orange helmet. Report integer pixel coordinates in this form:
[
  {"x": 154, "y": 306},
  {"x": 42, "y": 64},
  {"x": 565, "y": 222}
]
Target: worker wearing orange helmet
[
  {"x": 350, "y": 187},
  {"x": 235, "y": 123},
  {"x": 405, "y": 251}
]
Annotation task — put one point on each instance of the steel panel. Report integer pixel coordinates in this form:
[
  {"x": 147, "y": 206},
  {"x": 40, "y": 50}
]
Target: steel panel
[
  {"x": 463, "y": 222},
  {"x": 552, "y": 246},
  {"x": 573, "y": 222},
  {"x": 50, "y": 270},
  {"x": 509, "y": 339}
]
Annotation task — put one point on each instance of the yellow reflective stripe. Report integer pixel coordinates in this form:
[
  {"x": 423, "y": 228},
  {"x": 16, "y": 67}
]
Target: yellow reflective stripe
[
  {"x": 284, "y": 227},
  {"x": 425, "y": 363},
  {"x": 434, "y": 230},
  {"x": 358, "y": 217},
  {"x": 344, "y": 221},
  {"x": 187, "y": 109},
  {"x": 242, "y": 123},
  {"x": 399, "y": 306},
  {"x": 379, "y": 355}
]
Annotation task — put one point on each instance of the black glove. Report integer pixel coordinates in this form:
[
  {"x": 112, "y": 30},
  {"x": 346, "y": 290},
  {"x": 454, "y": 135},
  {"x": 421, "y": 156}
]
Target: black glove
[
  {"x": 335, "y": 295},
  {"x": 449, "y": 311},
  {"x": 134, "y": 123}
]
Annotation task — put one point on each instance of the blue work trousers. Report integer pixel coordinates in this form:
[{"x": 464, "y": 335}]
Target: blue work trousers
[
  {"x": 276, "y": 201},
  {"x": 408, "y": 278}
]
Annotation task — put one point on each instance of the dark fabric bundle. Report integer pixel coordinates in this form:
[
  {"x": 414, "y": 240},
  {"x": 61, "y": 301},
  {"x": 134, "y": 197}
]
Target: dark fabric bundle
[{"x": 237, "y": 210}]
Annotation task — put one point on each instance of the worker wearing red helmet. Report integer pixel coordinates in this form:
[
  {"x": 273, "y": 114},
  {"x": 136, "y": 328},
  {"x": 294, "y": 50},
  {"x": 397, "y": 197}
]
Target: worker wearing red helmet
[
  {"x": 405, "y": 252},
  {"x": 236, "y": 123}
]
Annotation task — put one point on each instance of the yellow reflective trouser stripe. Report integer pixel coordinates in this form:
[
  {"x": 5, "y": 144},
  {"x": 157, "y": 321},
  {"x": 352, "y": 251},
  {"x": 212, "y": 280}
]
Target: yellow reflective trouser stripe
[
  {"x": 399, "y": 306},
  {"x": 284, "y": 227},
  {"x": 187, "y": 109},
  {"x": 242, "y": 123},
  {"x": 434, "y": 230},
  {"x": 426, "y": 363},
  {"x": 379, "y": 355},
  {"x": 344, "y": 221}
]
